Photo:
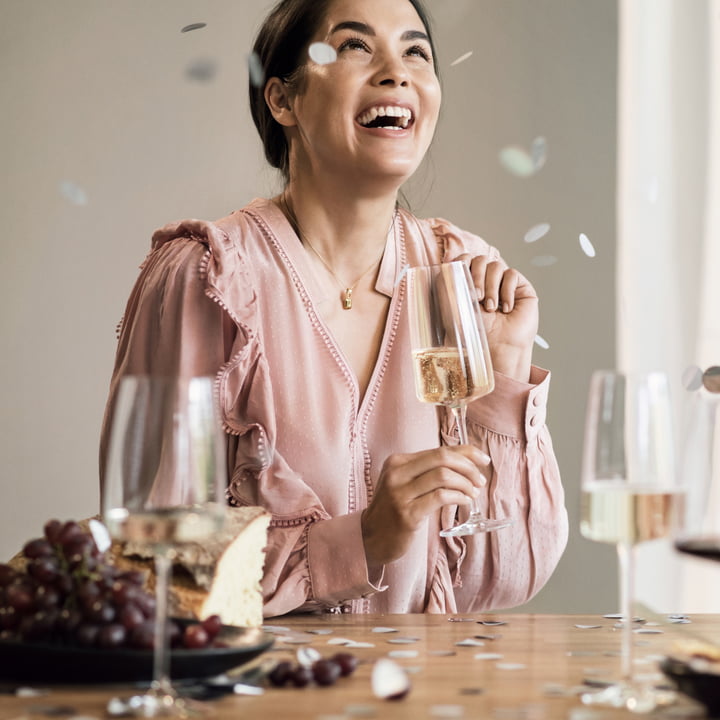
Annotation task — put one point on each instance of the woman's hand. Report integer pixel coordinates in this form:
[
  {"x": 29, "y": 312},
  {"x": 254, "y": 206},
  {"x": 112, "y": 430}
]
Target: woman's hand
[
  {"x": 410, "y": 488},
  {"x": 510, "y": 314}
]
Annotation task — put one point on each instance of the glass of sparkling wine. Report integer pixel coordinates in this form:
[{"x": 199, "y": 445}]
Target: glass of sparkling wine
[
  {"x": 450, "y": 354},
  {"x": 630, "y": 495},
  {"x": 163, "y": 486}
]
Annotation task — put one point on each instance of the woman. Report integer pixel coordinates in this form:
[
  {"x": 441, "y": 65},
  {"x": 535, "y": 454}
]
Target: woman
[{"x": 295, "y": 305}]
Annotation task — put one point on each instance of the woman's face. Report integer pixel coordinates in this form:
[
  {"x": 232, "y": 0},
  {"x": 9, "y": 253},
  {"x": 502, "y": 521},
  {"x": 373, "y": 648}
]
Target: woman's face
[{"x": 371, "y": 114}]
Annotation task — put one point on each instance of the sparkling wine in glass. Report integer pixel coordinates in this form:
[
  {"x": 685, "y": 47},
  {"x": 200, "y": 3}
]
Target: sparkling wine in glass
[
  {"x": 450, "y": 355},
  {"x": 630, "y": 495},
  {"x": 699, "y": 533},
  {"x": 163, "y": 486}
]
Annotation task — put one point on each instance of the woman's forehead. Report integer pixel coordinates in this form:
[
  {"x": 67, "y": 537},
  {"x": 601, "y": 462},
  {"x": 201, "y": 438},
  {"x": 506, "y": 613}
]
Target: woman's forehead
[{"x": 378, "y": 14}]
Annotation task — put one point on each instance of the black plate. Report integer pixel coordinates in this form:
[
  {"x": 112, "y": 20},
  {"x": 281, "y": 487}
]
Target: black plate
[
  {"x": 702, "y": 686},
  {"x": 46, "y": 663}
]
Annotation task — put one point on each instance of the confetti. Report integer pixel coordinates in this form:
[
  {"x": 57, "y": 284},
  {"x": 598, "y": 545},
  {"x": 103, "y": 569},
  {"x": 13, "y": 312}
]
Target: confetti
[
  {"x": 648, "y": 631},
  {"x": 384, "y": 630},
  {"x": 275, "y": 629},
  {"x": 510, "y": 666},
  {"x": 538, "y": 152},
  {"x": 100, "y": 535},
  {"x": 586, "y": 245},
  {"x": 256, "y": 70},
  {"x": 193, "y": 26},
  {"x": 447, "y": 711},
  {"x": 488, "y": 656},
  {"x": 517, "y": 161},
  {"x": 403, "y": 640},
  {"x": 361, "y": 710},
  {"x": 322, "y": 53},
  {"x": 543, "y": 260},
  {"x": 588, "y": 627},
  {"x": 320, "y": 631},
  {"x": 491, "y": 622},
  {"x": 454, "y": 619},
  {"x": 442, "y": 653},
  {"x": 307, "y": 656},
  {"x": 339, "y": 641},
  {"x": 470, "y": 642},
  {"x": 73, "y": 193},
  {"x": 536, "y": 232},
  {"x": 403, "y": 654},
  {"x": 356, "y": 644},
  {"x": 542, "y": 342},
  {"x": 488, "y": 637},
  {"x": 201, "y": 70},
  {"x": 462, "y": 58}
]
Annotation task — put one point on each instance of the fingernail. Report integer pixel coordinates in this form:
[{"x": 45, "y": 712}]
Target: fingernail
[
  {"x": 506, "y": 307},
  {"x": 484, "y": 480},
  {"x": 489, "y": 304},
  {"x": 484, "y": 456}
]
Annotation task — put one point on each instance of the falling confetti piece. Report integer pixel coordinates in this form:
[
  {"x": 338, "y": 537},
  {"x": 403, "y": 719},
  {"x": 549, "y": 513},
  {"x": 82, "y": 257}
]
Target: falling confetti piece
[
  {"x": 542, "y": 342},
  {"x": 538, "y": 152},
  {"x": 73, "y": 193},
  {"x": 322, "y": 53},
  {"x": 586, "y": 245},
  {"x": 543, "y": 260},
  {"x": 201, "y": 70},
  {"x": 256, "y": 70},
  {"x": 517, "y": 161},
  {"x": 193, "y": 26},
  {"x": 462, "y": 58},
  {"x": 488, "y": 656},
  {"x": 536, "y": 232}
]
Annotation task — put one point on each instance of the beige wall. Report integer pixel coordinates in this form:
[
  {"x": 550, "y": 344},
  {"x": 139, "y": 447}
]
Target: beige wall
[{"x": 95, "y": 93}]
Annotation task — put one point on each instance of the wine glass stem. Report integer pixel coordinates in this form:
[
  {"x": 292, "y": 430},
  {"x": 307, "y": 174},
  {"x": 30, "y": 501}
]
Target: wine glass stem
[
  {"x": 161, "y": 657},
  {"x": 460, "y": 415},
  {"x": 627, "y": 576}
]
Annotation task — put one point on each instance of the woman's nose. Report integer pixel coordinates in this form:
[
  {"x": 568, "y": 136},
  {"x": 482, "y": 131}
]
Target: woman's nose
[{"x": 391, "y": 72}]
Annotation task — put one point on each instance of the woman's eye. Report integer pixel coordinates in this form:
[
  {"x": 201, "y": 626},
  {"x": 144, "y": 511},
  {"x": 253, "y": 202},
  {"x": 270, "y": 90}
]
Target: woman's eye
[
  {"x": 419, "y": 51},
  {"x": 353, "y": 44}
]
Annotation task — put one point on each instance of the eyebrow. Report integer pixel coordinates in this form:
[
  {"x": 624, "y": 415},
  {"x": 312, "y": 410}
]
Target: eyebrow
[{"x": 366, "y": 29}]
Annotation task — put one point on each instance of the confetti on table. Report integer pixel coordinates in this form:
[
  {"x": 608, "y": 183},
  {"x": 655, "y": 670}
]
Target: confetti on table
[
  {"x": 307, "y": 656},
  {"x": 454, "y": 619},
  {"x": 73, "y": 193},
  {"x": 488, "y": 656},
  {"x": 321, "y": 631},
  {"x": 403, "y": 654},
  {"x": 193, "y": 26},
  {"x": 588, "y": 627},
  {"x": 322, "y": 53},
  {"x": 495, "y": 636},
  {"x": 384, "y": 630},
  {"x": 510, "y": 666},
  {"x": 542, "y": 342},
  {"x": 586, "y": 245},
  {"x": 442, "y": 653},
  {"x": 648, "y": 631},
  {"x": 339, "y": 641},
  {"x": 447, "y": 711},
  {"x": 536, "y": 232},
  {"x": 470, "y": 642},
  {"x": 275, "y": 629},
  {"x": 360, "y": 710},
  {"x": 256, "y": 71},
  {"x": 357, "y": 644},
  {"x": 462, "y": 58},
  {"x": 492, "y": 622},
  {"x": 403, "y": 640}
]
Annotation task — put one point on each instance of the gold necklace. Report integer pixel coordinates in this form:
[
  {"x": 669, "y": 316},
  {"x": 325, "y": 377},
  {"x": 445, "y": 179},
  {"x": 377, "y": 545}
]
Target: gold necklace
[{"x": 347, "y": 290}]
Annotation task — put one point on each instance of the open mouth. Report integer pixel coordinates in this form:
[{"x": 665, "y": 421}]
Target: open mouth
[{"x": 391, "y": 117}]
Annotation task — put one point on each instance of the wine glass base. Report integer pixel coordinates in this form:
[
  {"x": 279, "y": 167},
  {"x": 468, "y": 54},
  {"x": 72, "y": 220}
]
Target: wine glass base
[
  {"x": 637, "y": 698},
  {"x": 476, "y": 524},
  {"x": 151, "y": 704}
]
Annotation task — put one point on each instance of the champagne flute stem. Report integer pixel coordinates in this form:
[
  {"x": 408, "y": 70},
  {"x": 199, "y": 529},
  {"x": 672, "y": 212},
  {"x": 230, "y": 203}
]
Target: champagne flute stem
[
  {"x": 460, "y": 415},
  {"x": 627, "y": 576},
  {"x": 161, "y": 656}
]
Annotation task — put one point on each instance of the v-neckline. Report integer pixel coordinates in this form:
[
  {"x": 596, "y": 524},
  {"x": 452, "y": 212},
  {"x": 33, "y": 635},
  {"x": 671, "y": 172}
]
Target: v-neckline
[{"x": 296, "y": 257}]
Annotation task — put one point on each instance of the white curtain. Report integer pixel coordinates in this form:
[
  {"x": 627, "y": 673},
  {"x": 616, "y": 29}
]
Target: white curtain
[{"x": 668, "y": 291}]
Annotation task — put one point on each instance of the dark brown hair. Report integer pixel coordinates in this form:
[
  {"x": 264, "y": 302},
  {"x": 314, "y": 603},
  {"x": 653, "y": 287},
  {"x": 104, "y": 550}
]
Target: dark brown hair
[{"x": 280, "y": 50}]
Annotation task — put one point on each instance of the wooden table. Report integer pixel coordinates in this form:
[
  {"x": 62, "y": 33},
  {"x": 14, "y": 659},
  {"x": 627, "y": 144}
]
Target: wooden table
[{"x": 544, "y": 661}]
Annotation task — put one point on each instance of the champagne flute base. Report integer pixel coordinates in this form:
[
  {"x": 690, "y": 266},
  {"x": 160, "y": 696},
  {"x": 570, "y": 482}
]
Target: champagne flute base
[
  {"x": 154, "y": 703},
  {"x": 476, "y": 523},
  {"x": 636, "y": 697}
]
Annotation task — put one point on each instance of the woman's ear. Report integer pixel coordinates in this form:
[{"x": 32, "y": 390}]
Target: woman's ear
[{"x": 278, "y": 100}]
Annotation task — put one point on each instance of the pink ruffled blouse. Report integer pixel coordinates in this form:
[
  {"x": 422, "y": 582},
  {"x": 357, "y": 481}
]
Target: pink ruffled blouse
[{"x": 237, "y": 299}]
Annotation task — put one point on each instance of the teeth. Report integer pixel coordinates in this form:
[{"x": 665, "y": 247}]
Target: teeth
[{"x": 386, "y": 111}]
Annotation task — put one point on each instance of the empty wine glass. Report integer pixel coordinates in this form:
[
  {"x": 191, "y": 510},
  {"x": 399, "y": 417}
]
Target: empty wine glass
[
  {"x": 450, "y": 354},
  {"x": 630, "y": 495},
  {"x": 163, "y": 486},
  {"x": 699, "y": 533}
]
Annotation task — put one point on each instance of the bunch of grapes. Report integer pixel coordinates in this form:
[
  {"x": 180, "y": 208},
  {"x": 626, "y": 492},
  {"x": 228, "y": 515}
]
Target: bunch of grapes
[
  {"x": 323, "y": 671},
  {"x": 71, "y": 593}
]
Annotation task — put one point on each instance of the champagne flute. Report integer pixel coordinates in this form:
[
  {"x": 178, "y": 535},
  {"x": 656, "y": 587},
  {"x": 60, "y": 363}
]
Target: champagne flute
[
  {"x": 630, "y": 495},
  {"x": 450, "y": 353},
  {"x": 699, "y": 533},
  {"x": 163, "y": 486}
]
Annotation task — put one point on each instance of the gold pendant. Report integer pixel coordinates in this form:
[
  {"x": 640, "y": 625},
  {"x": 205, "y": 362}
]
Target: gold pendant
[{"x": 347, "y": 299}]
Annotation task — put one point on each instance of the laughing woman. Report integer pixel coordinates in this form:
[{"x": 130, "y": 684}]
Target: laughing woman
[{"x": 295, "y": 304}]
